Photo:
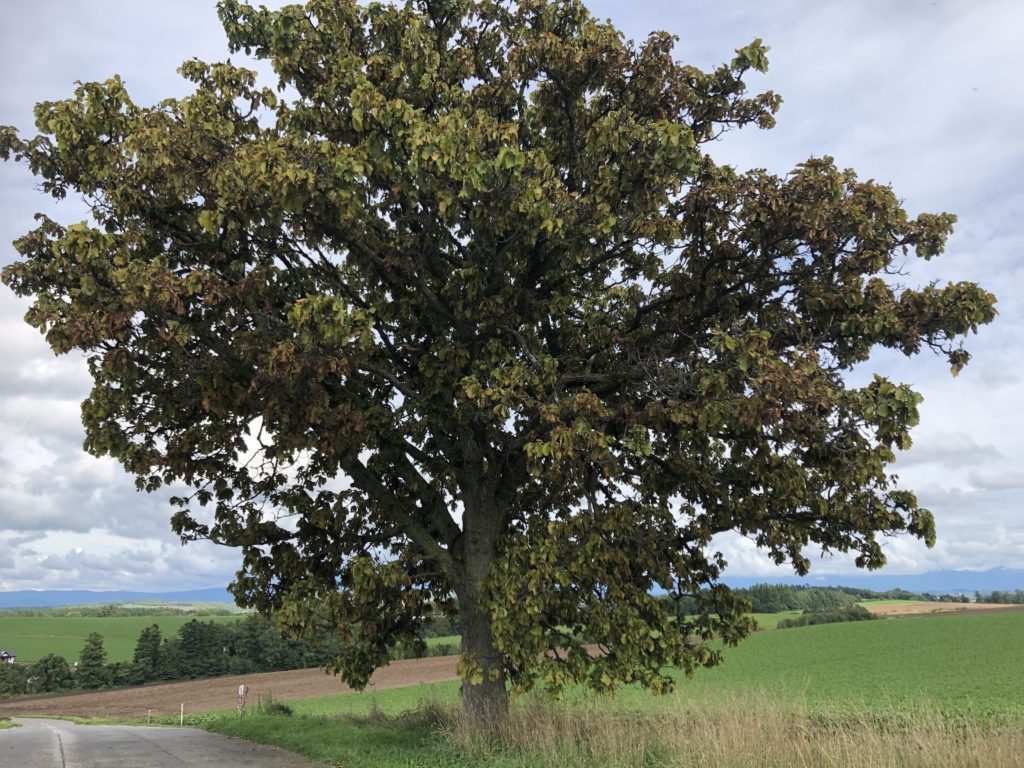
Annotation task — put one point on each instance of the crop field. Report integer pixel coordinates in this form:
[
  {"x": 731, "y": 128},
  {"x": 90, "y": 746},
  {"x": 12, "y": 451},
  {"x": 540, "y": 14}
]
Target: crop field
[
  {"x": 918, "y": 607},
  {"x": 969, "y": 665},
  {"x": 902, "y": 692},
  {"x": 966, "y": 663},
  {"x": 32, "y": 637}
]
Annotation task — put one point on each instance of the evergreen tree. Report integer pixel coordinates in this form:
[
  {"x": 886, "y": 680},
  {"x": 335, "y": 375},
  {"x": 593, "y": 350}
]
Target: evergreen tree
[
  {"x": 146, "y": 660},
  {"x": 170, "y": 664},
  {"x": 92, "y": 663},
  {"x": 203, "y": 649}
]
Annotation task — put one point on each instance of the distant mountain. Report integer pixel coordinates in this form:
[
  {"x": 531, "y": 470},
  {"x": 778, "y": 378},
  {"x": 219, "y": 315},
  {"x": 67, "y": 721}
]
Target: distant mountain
[
  {"x": 54, "y": 598},
  {"x": 934, "y": 582}
]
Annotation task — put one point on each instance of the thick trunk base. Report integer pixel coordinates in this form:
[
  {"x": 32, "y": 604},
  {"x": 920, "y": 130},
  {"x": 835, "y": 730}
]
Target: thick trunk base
[
  {"x": 485, "y": 704},
  {"x": 485, "y": 698}
]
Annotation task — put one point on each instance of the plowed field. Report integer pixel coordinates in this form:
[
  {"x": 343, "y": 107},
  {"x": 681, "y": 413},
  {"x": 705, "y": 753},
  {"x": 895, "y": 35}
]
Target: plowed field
[
  {"x": 222, "y": 692},
  {"x": 922, "y": 608}
]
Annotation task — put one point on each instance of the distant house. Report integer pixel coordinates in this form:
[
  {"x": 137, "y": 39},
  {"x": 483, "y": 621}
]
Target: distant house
[{"x": 6, "y": 657}]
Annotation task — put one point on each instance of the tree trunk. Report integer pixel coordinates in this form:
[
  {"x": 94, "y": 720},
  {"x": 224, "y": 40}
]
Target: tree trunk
[
  {"x": 484, "y": 696},
  {"x": 485, "y": 701}
]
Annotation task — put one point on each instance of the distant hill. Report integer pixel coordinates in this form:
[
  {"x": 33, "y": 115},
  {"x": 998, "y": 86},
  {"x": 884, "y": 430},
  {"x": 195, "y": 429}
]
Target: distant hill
[
  {"x": 935, "y": 582},
  {"x": 54, "y": 598}
]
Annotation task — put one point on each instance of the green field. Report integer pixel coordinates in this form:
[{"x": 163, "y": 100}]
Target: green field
[
  {"x": 925, "y": 691},
  {"x": 959, "y": 663},
  {"x": 771, "y": 620},
  {"x": 31, "y": 637},
  {"x": 971, "y": 665}
]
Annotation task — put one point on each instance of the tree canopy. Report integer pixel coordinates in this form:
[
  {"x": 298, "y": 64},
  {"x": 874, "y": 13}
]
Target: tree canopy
[{"x": 464, "y": 307}]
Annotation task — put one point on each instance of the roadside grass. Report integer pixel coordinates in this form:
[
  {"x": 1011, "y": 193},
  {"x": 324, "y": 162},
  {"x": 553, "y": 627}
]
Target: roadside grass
[
  {"x": 32, "y": 637},
  {"x": 382, "y": 741},
  {"x": 5, "y": 723}
]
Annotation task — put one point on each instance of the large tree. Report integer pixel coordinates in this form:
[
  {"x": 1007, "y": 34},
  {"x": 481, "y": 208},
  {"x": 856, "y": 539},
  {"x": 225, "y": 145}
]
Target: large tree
[{"x": 464, "y": 308}]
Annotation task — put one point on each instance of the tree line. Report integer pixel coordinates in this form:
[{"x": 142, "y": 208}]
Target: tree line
[
  {"x": 777, "y": 598},
  {"x": 113, "y": 610},
  {"x": 199, "y": 650}
]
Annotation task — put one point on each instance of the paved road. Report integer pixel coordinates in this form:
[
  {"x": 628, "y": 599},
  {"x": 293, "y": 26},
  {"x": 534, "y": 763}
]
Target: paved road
[{"x": 60, "y": 744}]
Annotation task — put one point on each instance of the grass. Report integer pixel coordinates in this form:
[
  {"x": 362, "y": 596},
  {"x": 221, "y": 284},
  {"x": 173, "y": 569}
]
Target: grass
[
  {"x": 771, "y": 620},
  {"x": 32, "y": 637},
  {"x": 444, "y": 640}
]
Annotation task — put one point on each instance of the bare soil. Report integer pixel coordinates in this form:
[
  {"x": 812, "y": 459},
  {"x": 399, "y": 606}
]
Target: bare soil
[
  {"x": 932, "y": 609},
  {"x": 222, "y": 692}
]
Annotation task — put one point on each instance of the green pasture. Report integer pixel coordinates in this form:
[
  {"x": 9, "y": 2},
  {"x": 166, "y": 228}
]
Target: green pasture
[
  {"x": 31, "y": 637},
  {"x": 970, "y": 665},
  {"x": 771, "y": 620},
  {"x": 885, "y": 677}
]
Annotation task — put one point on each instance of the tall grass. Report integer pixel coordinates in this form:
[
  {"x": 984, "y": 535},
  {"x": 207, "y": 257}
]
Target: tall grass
[{"x": 730, "y": 731}]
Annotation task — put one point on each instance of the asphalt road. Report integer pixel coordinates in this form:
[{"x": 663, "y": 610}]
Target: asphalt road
[{"x": 60, "y": 744}]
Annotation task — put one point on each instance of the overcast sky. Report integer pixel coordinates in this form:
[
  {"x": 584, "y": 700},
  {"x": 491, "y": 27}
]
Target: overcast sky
[{"x": 926, "y": 95}]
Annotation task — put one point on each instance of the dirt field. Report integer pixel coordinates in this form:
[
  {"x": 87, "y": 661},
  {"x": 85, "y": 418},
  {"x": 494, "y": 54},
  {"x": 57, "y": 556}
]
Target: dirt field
[
  {"x": 222, "y": 692},
  {"x": 926, "y": 608}
]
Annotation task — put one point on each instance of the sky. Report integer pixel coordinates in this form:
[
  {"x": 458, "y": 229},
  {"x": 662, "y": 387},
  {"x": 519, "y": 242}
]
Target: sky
[{"x": 927, "y": 96}]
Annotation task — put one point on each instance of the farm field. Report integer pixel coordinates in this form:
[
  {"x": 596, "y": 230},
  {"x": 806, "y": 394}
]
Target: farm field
[
  {"x": 32, "y": 637},
  {"x": 923, "y": 692},
  {"x": 959, "y": 665},
  {"x": 916, "y": 607},
  {"x": 220, "y": 693}
]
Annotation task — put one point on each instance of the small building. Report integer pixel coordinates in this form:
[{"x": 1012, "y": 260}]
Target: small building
[{"x": 6, "y": 657}]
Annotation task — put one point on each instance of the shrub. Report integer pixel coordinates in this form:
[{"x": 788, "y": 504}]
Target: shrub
[
  {"x": 807, "y": 618},
  {"x": 270, "y": 706}
]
